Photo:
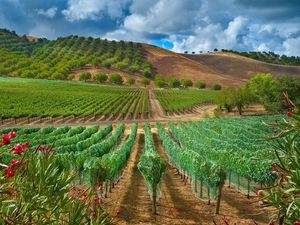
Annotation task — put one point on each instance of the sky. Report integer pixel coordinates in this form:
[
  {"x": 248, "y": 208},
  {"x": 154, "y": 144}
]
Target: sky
[{"x": 178, "y": 25}]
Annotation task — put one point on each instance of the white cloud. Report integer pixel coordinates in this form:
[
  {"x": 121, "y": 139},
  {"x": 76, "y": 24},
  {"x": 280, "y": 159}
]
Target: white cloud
[
  {"x": 212, "y": 36},
  {"x": 292, "y": 46},
  {"x": 51, "y": 12},
  {"x": 93, "y": 9}
]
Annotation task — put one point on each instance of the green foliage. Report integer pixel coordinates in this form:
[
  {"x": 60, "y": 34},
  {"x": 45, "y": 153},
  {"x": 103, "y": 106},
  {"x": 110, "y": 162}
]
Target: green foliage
[
  {"x": 186, "y": 83},
  {"x": 101, "y": 77},
  {"x": 145, "y": 81},
  {"x": 200, "y": 85},
  {"x": 216, "y": 87},
  {"x": 147, "y": 69},
  {"x": 31, "y": 98},
  {"x": 159, "y": 81},
  {"x": 131, "y": 81},
  {"x": 116, "y": 78},
  {"x": 43, "y": 195},
  {"x": 173, "y": 82},
  {"x": 284, "y": 194},
  {"x": 56, "y": 59},
  {"x": 85, "y": 76},
  {"x": 151, "y": 165},
  {"x": 181, "y": 100}
]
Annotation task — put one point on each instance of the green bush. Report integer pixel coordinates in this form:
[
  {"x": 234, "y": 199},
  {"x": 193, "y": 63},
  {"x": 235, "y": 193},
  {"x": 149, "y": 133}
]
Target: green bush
[
  {"x": 200, "y": 85},
  {"x": 216, "y": 87}
]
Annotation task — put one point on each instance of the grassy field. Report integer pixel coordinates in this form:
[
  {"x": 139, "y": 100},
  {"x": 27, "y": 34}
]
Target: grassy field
[{"x": 32, "y": 98}]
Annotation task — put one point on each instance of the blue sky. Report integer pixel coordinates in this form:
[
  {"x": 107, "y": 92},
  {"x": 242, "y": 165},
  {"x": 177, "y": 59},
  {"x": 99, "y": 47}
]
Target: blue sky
[{"x": 179, "y": 25}]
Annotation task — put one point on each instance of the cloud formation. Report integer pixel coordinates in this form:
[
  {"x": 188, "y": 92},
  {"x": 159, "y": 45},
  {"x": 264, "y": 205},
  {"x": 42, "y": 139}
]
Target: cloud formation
[{"x": 189, "y": 25}]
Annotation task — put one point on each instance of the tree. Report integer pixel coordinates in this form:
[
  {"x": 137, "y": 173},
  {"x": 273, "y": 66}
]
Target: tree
[
  {"x": 265, "y": 90},
  {"x": 96, "y": 62},
  {"x": 85, "y": 76},
  {"x": 186, "y": 83},
  {"x": 216, "y": 87},
  {"x": 173, "y": 82},
  {"x": 159, "y": 81},
  {"x": 147, "y": 69},
  {"x": 101, "y": 77},
  {"x": 200, "y": 85},
  {"x": 116, "y": 78},
  {"x": 130, "y": 81},
  {"x": 145, "y": 81}
]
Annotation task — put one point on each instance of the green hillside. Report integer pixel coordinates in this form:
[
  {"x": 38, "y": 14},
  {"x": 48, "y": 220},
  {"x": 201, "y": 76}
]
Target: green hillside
[{"x": 56, "y": 59}]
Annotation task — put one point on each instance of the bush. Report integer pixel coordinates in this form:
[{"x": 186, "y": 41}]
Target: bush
[
  {"x": 122, "y": 65},
  {"x": 159, "y": 81},
  {"x": 216, "y": 87},
  {"x": 200, "y": 85},
  {"x": 116, "y": 78},
  {"x": 85, "y": 76},
  {"x": 173, "y": 82},
  {"x": 145, "y": 81},
  {"x": 101, "y": 77},
  {"x": 130, "y": 81},
  {"x": 186, "y": 83},
  {"x": 134, "y": 68},
  {"x": 71, "y": 77}
]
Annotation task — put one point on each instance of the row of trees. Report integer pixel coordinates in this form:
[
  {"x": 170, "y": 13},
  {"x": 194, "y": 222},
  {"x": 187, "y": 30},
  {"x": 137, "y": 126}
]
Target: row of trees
[
  {"x": 172, "y": 82},
  {"x": 262, "y": 89},
  {"x": 113, "y": 78}
]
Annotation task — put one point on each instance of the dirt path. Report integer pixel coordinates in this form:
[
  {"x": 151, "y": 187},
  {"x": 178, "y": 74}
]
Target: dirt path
[
  {"x": 129, "y": 203},
  {"x": 157, "y": 112}
]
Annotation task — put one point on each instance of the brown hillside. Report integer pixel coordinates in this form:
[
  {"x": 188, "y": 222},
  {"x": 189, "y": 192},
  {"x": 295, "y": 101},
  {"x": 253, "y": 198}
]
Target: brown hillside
[
  {"x": 171, "y": 64},
  {"x": 240, "y": 67}
]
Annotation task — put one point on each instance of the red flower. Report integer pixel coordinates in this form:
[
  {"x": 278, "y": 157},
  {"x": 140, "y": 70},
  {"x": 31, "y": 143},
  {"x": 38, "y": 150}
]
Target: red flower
[
  {"x": 101, "y": 189},
  {"x": 297, "y": 222},
  {"x": 274, "y": 165},
  {"x": 15, "y": 163},
  {"x": 95, "y": 215},
  {"x": 275, "y": 131},
  {"x": 18, "y": 149},
  {"x": 84, "y": 197},
  {"x": 41, "y": 148},
  {"x": 96, "y": 199},
  {"x": 12, "y": 134},
  {"x": 272, "y": 223},
  {"x": 48, "y": 148},
  {"x": 259, "y": 193},
  {"x": 5, "y": 139},
  {"x": 289, "y": 114},
  {"x": 10, "y": 173},
  {"x": 24, "y": 146}
]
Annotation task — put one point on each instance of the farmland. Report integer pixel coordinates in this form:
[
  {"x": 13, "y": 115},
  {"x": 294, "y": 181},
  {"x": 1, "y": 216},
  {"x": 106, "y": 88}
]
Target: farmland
[
  {"x": 184, "y": 101},
  {"x": 103, "y": 158},
  {"x": 37, "y": 98}
]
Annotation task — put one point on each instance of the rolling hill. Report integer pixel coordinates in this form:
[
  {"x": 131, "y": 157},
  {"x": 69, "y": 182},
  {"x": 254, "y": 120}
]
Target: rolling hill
[{"x": 31, "y": 57}]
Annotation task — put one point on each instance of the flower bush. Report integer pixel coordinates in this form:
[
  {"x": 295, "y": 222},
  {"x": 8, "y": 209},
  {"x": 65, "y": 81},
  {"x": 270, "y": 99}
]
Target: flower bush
[{"x": 34, "y": 191}]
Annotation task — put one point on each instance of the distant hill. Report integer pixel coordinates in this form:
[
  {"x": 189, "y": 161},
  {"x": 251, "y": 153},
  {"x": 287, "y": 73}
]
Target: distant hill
[
  {"x": 241, "y": 67},
  {"x": 32, "y": 57}
]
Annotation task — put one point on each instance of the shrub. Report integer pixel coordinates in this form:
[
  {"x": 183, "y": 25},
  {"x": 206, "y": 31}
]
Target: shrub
[
  {"x": 130, "y": 81},
  {"x": 116, "y": 78},
  {"x": 200, "y": 85},
  {"x": 101, "y": 77},
  {"x": 216, "y": 87},
  {"x": 134, "y": 68},
  {"x": 85, "y": 76}
]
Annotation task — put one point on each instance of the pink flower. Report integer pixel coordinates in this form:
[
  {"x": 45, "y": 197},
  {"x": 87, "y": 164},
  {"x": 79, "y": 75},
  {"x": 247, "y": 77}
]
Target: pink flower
[
  {"x": 274, "y": 165},
  {"x": 12, "y": 134},
  {"x": 96, "y": 200},
  {"x": 290, "y": 115},
  {"x": 5, "y": 139},
  {"x": 259, "y": 193},
  {"x": 10, "y": 173},
  {"x": 24, "y": 146},
  {"x": 275, "y": 131},
  {"x": 18, "y": 149},
  {"x": 41, "y": 148},
  {"x": 84, "y": 197},
  {"x": 297, "y": 222},
  {"x": 15, "y": 163}
]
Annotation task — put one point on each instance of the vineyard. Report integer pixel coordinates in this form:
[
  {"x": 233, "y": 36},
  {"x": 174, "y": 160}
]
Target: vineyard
[
  {"x": 56, "y": 59},
  {"x": 206, "y": 155},
  {"x": 24, "y": 99},
  {"x": 184, "y": 101}
]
